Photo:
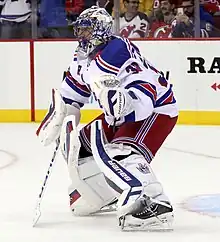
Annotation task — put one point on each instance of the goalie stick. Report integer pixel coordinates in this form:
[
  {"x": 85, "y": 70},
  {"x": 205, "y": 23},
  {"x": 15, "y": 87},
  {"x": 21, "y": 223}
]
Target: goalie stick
[{"x": 43, "y": 188}]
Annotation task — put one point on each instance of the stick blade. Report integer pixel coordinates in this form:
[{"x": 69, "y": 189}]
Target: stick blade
[{"x": 37, "y": 215}]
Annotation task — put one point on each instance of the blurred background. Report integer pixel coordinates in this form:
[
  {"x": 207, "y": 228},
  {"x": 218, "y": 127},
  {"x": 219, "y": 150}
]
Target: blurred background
[{"x": 37, "y": 19}]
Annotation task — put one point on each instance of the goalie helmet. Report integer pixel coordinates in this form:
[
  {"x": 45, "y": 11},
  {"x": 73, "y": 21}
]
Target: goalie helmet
[{"x": 92, "y": 28}]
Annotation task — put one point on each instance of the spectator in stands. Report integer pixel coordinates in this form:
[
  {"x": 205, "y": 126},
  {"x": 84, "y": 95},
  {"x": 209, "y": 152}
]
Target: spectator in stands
[
  {"x": 133, "y": 24},
  {"x": 185, "y": 22},
  {"x": 15, "y": 19},
  {"x": 1, "y": 6},
  {"x": 107, "y": 4},
  {"x": 73, "y": 9},
  {"x": 162, "y": 20},
  {"x": 212, "y": 7},
  {"x": 53, "y": 22},
  {"x": 145, "y": 6}
]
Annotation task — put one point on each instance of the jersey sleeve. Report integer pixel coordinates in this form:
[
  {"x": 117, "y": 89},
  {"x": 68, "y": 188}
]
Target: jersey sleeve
[
  {"x": 111, "y": 59},
  {"x": 73, "y": 90},
  {"x": 149, "y": 96},
  {"x": 144, "y": 96}
]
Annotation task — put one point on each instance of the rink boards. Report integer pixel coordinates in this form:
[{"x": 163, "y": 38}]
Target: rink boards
[{"x": 30, "y": 69}]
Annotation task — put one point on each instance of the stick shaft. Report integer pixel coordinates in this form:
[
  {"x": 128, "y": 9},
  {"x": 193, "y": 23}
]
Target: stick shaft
[{"x": 43, "y": 187}]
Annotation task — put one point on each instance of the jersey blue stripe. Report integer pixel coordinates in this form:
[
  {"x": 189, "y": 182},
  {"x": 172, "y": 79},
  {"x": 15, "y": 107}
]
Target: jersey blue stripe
[
  {"x": 160, "y": 101},
  {"x": 104, "y": 69},
  {"x": 76, "y": 89},
  {"x": 146, "y": 92},
  {"x": 134, "y": 83},
  {"x": 70, "y": 102}
]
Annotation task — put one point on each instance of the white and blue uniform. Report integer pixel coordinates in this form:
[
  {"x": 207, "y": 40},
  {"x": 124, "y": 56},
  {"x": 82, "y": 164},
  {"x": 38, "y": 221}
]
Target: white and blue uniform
[
  {"x": 15, "y": 11},
  {"x": 104, "y": 161},
  {"x": 147, "y": 86}
]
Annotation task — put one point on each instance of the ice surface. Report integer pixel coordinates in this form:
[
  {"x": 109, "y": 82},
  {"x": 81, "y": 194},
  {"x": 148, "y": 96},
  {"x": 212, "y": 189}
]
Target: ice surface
[{"x": 188, "y": 164}]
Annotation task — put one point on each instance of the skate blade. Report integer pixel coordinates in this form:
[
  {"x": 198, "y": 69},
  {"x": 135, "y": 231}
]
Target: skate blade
[
  {"x": 105, "y": 210},
  {"x": 162, "y": 223}
]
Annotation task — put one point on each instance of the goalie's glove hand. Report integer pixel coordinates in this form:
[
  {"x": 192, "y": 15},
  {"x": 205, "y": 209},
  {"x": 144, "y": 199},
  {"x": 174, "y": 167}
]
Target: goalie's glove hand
[
  {"x": 116, "y": 101},
  {"x": 50, "y": 128}
]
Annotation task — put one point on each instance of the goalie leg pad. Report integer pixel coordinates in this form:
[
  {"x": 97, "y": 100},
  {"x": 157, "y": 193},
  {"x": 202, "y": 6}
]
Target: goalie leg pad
[
  {"x": 132, "y": 174},
  {"x": 89, "y": 191},
  {"x": 94, "y": 192}
]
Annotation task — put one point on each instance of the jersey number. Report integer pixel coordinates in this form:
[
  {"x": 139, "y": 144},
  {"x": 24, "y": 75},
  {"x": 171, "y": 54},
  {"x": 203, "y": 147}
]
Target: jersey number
[{"x": 134, "y": 68}]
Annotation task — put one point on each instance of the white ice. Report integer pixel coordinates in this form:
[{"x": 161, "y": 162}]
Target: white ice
[{"x": 188, "y": 164}]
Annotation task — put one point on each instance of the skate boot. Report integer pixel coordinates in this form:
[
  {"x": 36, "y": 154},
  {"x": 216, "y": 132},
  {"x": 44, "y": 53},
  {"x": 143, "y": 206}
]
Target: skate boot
[{"x": 148, "y": 214}]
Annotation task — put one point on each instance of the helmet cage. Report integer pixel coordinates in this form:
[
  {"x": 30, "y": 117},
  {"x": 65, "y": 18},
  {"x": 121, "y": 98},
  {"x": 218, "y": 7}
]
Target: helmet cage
[{"x": 98, "y": 22}]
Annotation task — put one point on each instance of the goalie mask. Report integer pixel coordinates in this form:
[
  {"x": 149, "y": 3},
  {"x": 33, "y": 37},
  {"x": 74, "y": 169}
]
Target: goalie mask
[{"x": 92, "y": 28}]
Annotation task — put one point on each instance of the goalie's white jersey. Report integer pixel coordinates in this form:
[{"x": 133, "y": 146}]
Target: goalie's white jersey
[{"x": 147, "y": 86}]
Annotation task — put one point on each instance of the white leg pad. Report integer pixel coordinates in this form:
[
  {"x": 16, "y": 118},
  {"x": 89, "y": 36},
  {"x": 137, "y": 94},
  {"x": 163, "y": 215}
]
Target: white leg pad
[
  {"x": 89, "y": 191},
  {"x": 93, "y": 192},
  {"x": 132, "y": 174}
]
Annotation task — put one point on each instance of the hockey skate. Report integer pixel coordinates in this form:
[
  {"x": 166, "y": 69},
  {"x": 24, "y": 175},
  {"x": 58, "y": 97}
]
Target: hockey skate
[{"x": 148, "y": 214}]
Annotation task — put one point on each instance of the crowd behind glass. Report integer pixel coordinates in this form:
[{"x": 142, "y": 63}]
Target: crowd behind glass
[{"x": 24, "y": 19}]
